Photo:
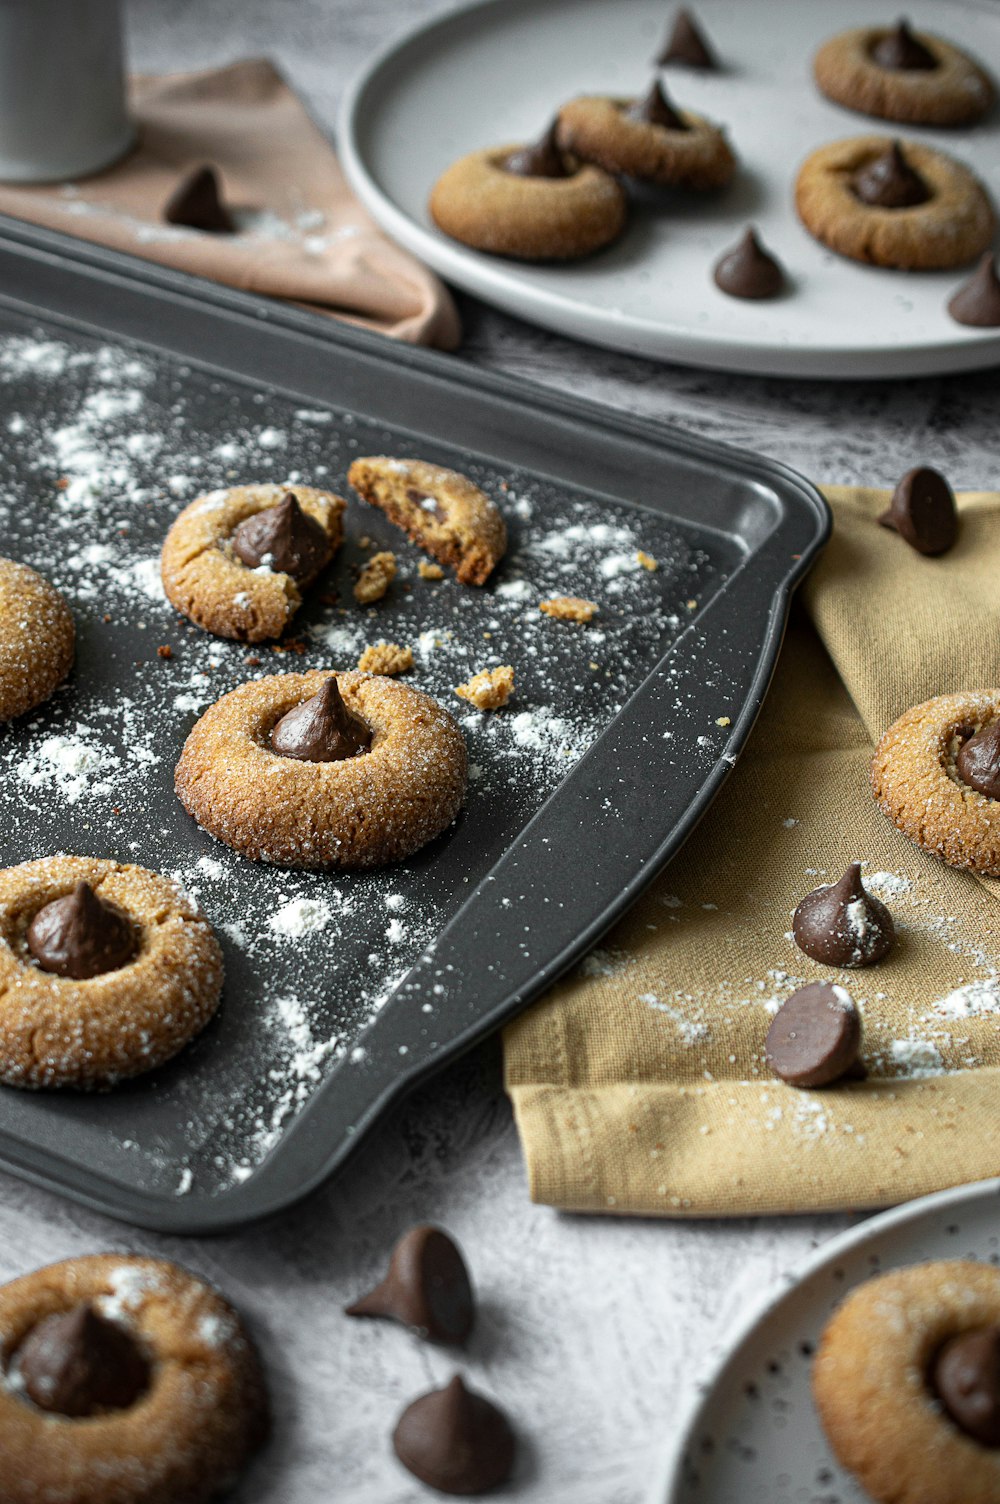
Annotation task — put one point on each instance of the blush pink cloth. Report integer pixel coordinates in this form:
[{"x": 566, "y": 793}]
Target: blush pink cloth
[{"x": 302, "y": 234}]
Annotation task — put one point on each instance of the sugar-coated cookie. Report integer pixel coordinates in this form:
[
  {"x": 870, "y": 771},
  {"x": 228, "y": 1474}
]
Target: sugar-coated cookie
[
  {"x": 649, "y": 139},
  {"x": 37, "y": 639},
  {"x": 440, "y": 510},
  {"x": 896, "y": 74}
]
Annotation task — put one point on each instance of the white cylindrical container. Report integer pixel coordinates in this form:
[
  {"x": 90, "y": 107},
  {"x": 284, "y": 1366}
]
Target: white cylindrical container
[{"x": 62, "y": 89}]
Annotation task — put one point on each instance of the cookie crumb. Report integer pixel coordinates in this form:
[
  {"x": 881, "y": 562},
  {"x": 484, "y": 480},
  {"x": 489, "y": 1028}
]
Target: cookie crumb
[
  {"x": 430, "y": 571},
  {"x": 375, "y": 579},
  {"x": 723, "y": 720},
  {"x": 569, "y": 608},
  {"x": 164, "y": 651},
  {"x": 490, "y": 689},
  {"x": 385, "y": 658},
  {"x": 646, "y": 560}
]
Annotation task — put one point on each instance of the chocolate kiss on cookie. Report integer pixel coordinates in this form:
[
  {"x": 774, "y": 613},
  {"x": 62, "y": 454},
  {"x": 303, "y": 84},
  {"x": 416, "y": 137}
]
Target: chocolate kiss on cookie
[
  {"x": 978, "y": 761},
  {"x": 922, "y": 511},
  {"x": 283, "y": 538},
  {"x": 455, "y": 1440},
  {"x": 900, "y": 51},
  {"x": 78, "y": 1363},
  {"x": 977, "y": 302},
  {"x": 542, "y": 159},
  {"x": 197, "y": 203},
  {"x": 842, "y": 924},
  {"x": 815, "y": 1037},
  {"x": 427, "y": 1288},
  {"x": 889, "y": 182},
  {"x": 321, "y": 729},
  {"x": 747, "y": 270},
  {"x": 654, "y": 108},
  {"x": 965, "y": 1376},
  {"x": 687, "y": 45},
  {"x": 81, "y": 936}
]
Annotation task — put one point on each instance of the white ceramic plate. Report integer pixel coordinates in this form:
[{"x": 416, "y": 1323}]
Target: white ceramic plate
[
  {"x": 491, "y": 73},
  {"x": 753, "y": 1435}
]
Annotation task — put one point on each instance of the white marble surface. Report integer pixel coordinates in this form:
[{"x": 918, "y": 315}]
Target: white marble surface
[{"x": 591, "y": 1328}]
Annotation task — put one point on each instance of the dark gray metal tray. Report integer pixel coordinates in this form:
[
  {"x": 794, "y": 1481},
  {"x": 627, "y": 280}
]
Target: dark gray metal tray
[{"x": 126, "y": 390}]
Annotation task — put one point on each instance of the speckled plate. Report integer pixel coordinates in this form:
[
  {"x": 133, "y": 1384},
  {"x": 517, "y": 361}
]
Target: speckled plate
[
  {"x": 752, "y": 1435},
  {"x": 494, "y": 72}
]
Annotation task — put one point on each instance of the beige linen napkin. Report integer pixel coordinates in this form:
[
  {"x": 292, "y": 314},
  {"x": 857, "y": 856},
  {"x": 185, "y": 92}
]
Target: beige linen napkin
[
  {"x": 302, "y": 233},
  {"x": 639, "y": 1083}
]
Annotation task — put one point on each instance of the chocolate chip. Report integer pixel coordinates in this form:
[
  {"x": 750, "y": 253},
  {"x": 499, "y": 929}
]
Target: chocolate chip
[
  {"x": 889, "y": 182},
  {"x": 426, "y": 1288},
  {"x": 283, "y": 538},
  {"x": 978, "y": 761},
  {"x": 455, "y": 1440},
  {"x": 900, "y": 51},
  {"x": 977, "y": 302},
  {"x": 815, "y": 1037},
  {"x": 81, "y": 936},
  {"x": 543, "y": 159},
  {"x": 321, "y": 729},
  {"x": 687, "y": 45},
  {"x": 747, "y": 270},
  {"x": 197, "y": 203},
  {"x": 79, "y": 1363},
  {"x": 965, "y": 1376},
  {"x": 654, "y": 108},
  {"x": 922, "y": 511},
  {"x": 842, "y": 924}
]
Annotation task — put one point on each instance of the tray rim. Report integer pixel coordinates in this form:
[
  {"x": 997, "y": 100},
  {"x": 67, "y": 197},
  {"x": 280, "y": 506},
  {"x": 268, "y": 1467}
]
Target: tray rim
[{"x": 243, "y": 1202}]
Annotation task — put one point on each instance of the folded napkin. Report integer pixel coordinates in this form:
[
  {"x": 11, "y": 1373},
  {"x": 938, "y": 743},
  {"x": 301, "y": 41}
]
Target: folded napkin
[
  {"x": 639, "y": 1083},
  {"x": 302, "y": 233}
]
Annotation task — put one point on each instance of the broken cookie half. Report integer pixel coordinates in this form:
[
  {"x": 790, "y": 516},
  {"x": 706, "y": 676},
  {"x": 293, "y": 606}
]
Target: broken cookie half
[{"x": 439, "y": 510}]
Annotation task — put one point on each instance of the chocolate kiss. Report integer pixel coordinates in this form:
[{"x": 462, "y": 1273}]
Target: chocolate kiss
[
  {"x": 843, "y": 924},
  {"x": 321, "y": 729},
  {"x": 79, "y": 1363},
  {"x": 686, "y": 44},
  {"x": 455, "y": 1440},
  {"x": 978, "y": 761},
  {"x": 747, "y": 270},
  {"x": 922, "y": 511},
  {"x": 965, "y": 1376},
  {"x": 196, "y": 202},
  {"x": 977, "y": 302},
  {"x": 815, "y": 1037},
  {"x": 900, "y": 50},
  {"x": 655, "y": 109},
  {"x": 889, "y": 182},
  {"x": 542, "y": 159},
  {"x": 426, "y": 1288},
  {"x": 81, "y": 936},
  {"x": 284, "y": 538}
]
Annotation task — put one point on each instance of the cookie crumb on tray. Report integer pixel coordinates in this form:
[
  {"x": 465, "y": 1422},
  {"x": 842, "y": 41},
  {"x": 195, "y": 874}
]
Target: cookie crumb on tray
[
  {"x": 385, "y": 658},
  {"x": 428, "y": 571},
  {"x": 569, "y": 608},
  {"x": 375, "y": 579},
  {"x": 490, "y": 689}
]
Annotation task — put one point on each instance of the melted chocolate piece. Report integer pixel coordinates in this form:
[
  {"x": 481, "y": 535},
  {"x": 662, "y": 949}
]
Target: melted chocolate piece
[
  {"x": 922, "y": 511},
  {"x": 815, "y": 1037},
  {"x": 686, "y": 45},
  {"x": 900, "y": 51},
  {"x": 747, "y": 270},
  {"x": 965, "y": 1376},
  {"x": 977, "y": 302},
  {"x": 655, "y": 108},
  {"x": 197, "y": 203},
  {"x": 81, "y": 936},
  {"x": 78, "y": 1363},
  {"x": 842, "y": 924},
  {"x": 321, "y": 729},
  {"x": 283, "y": 538},
  {"x": 427, "y": 1288},
  {"x": 455, "y": 1440},
  {"x": 978, "y": 761},
  {"x": 542, "y": 159},
  {"x": 889, "y": 182}
]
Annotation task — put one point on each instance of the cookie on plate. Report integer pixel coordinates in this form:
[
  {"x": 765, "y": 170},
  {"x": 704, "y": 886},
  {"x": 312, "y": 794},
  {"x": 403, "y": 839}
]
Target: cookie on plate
[
  {"x": 894, "y": 204},
  {"x": 37, "y": 639},
  {"x": 897, "y": 74},
  {"x": 236, "y": 561},
  {"x": 647, "y": 138},
  {"x": 127, "y": 1379},
  {"x": 534, "y": 202},
  {"x": 907, "y": 1384},
  {"x": 936, "y": 774},
  {"x": 440, "y": 510}
]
